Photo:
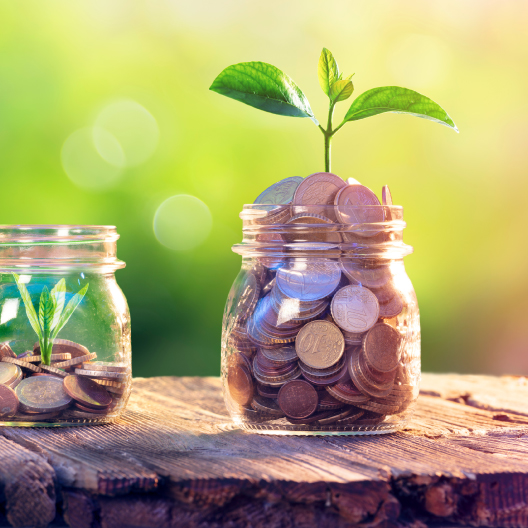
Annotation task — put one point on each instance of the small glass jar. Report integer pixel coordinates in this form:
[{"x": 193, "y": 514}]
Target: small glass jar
[
  {"x": 65, "y": 352},
  {"x": 321, "y": 332}
]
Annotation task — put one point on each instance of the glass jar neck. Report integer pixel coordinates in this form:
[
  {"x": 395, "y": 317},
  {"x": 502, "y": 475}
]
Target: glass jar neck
[
  {"x": 324, "y": 231},
  {"x": 59, "y": 247}
]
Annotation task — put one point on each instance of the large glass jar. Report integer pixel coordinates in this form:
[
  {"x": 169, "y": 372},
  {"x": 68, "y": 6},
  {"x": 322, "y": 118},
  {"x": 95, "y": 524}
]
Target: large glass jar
[
  {"x": 321, "y": 332},
  {"x": 65, "y": 354}
]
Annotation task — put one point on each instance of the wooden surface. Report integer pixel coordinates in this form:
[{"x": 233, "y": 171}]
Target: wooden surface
[{"x": 173, "y": 460}]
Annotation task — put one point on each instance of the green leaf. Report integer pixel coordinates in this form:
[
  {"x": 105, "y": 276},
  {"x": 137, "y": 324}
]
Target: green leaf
[
  {"x": 46, "y": 310},
  {"x": 58, "y": 293},
  {"x": 265, "y": 87},
  {"x": 398, "y": 100},
  {"x": 341, "y": 90},
  {"x": 68, "y": 311},
  {"x": 30, "y": 310},
  {"x": 327, "y": 71}
]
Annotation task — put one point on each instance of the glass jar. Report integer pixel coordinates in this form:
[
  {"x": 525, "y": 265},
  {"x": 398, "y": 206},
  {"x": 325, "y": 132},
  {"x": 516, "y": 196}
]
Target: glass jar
[
  {"x": 65, "y": 354},
  {"x": 321, "y": 332}
]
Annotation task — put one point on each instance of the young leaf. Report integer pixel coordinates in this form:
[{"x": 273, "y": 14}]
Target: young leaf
[
  {"x": 68, "y": 311},
  {"x": 30, "y": 310},
  {"x": 341, "y": 90},
  {"x": 46, "y": 309},
  {"x": 58, "y": 293},
  {"x": 327, "y": 71},
  {"x": 399, "y": 100},
  {"x": 265, "y": 87}
]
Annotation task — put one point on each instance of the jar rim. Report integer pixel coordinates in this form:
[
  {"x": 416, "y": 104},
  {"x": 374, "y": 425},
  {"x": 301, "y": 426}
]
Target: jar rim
[{"x": 48, "y": 247}]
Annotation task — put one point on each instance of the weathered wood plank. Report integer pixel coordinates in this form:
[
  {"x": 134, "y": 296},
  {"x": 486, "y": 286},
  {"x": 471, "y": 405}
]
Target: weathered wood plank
[{"x": 464, "y": 458}]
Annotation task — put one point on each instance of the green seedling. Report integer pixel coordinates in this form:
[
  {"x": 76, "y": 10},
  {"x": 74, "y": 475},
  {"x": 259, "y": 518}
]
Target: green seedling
[
  {"x": 267, "y": 88},
  {"x": 52, "y": 315}
]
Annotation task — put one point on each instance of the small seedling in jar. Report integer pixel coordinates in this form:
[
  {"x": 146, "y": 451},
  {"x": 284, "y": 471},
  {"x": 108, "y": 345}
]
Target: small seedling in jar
[
  {"x": 52, "y": 314},
  {"x": 267, "y": 88}
]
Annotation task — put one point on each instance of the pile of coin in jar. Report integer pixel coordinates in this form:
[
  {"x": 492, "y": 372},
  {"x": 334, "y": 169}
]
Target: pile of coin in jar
[
  {"x": 315, "y": 342},
  {"x": 74, "y": 386}
]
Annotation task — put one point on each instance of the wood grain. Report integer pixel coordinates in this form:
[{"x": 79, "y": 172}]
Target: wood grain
[{"x": 174, "y": 459}]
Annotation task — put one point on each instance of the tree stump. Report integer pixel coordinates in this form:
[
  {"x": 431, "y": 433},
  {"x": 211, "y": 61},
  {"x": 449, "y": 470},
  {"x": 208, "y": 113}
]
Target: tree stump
[{"x": 175, "y": 460}]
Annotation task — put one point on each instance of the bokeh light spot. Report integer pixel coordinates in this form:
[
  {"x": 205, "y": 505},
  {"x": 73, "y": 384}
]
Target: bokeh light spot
[
  {"x": 84, "y": 165},
  {"x": 133, "y": 126},
  {"x": 182, "y": 222}
]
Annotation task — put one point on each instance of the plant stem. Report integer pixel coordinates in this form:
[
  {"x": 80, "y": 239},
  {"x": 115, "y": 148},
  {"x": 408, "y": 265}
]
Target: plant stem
[{"x": 328, "y": 137}]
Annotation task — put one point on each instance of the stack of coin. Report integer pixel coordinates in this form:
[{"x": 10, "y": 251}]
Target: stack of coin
[
  {"x": 320, "y": 341},
  {"x": 33, "y": 392}
]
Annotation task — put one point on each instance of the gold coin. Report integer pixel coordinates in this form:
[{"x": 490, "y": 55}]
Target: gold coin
[{"x": 320, "y": 344}]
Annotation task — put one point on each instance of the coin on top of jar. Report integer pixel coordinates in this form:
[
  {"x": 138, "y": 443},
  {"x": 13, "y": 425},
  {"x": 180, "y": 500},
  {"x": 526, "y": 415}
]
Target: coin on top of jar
[
  {"x": 281, "y": 192},
  {"x": 355, "y": 309},
  {"x": 319, "y": 189},
  {"x": 349, "y": 201},
  {"x": 320, "y": 344}
]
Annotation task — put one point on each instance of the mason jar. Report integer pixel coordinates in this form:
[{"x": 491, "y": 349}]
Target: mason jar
[
  {"x": 321, "y": 332},
  {"x": 65, "y": 354}
]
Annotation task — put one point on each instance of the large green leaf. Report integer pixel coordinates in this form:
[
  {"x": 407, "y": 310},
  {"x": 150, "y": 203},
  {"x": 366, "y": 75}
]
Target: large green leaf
[
  {"x": 68, "y": 311},
  {"x": 58, "y": 293},
  {"x": 398, "y": 100},
  {"x": 327, "y": 71},
  {"x": 30, "y": 310},
  {"x": 265, "y": 87},
  {"x": 341, "y": 90}
]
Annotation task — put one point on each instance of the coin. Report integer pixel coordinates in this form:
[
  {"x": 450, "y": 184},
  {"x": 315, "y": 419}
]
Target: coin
[
  {"x": 323, "y": 381},
  {"x": 311, "y": 419},
  {"x": 249, "y": 293},
  {"x": 308, "y": 281},
  {"x": 17, "y": 380},
  {"x": 87, "y": 392},
  {"x": 378, "y": 407},
  {"x": 344, "y": 413},
  {"x": 38, "y": 358},
  {"x": 36, "y": 417},
  {"x": 328, "y": 402},
  {"x": 366, "y": 274},
  {"x": 8, "y": 402},
  {"x": 53, "y": 370},
  {"x": 109, "y": 366},
  {"x": 42, "y": 394},
  {"x": 281, "y": 192},
  {"x": 21, "y": 363},
  {"x": 8, "y": 373},
  {"x": 347, "y": 392},
  {"x": 298, "y": 399},
  {"x": 280, "y": 355},
  {"x": 324, "y": 233},
  {"x": 6, "y": 351},
  {"x": 83, "y": 408},
  {"x": 392, "y": 308},
  {"x": 355, "y": 309},
  {"x": 320, "y": 344},
  {"x": 351, "y": 418},
  {"x": 386, "y": 200},
  {"x": 352, "y": 181},
  {"x": 61, "y": 346},
  {"x": 268, "y": 392},
  {"x": 240, "y": 384},
  {"x": 100, "y": 374},
  {"x": 382, "y": 347},
  {"x": 267, "y": 405},
  {"x": 355, "y": 206},
  {"x": 75, "y": 361},
  {"x": 361, "y": 381},
  {"x": 319, "y": 189},
  {"x": 330, "y": 371}
]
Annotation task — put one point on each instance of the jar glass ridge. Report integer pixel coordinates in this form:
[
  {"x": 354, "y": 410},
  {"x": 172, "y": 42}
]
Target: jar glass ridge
[
  {"x": 294, "y": 261},
  {"x": 93, "y": 346}
]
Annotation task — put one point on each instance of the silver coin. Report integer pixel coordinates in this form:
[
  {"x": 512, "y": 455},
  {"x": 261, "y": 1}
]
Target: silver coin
[
  {"x": 309, "y": 281},
  {"x": 281, "y": 192}
]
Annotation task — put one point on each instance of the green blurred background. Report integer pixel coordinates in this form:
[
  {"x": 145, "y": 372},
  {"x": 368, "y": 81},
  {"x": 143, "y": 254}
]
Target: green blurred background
[{"x": 143, "y": 68}]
